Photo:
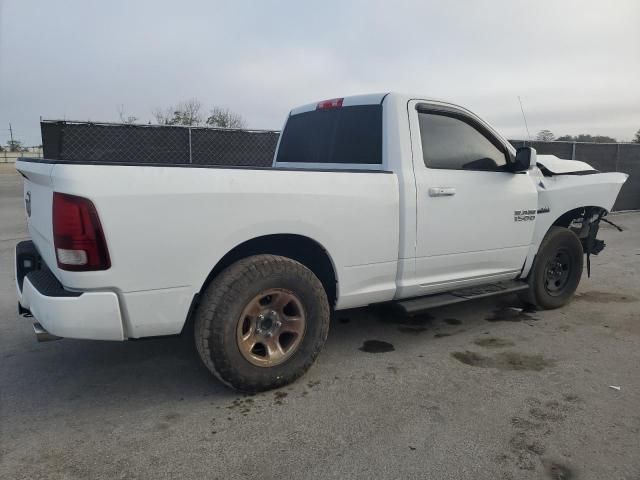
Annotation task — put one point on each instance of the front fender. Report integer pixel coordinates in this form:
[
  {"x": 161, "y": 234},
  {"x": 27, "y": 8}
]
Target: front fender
[{"x": 560, "y": 194}]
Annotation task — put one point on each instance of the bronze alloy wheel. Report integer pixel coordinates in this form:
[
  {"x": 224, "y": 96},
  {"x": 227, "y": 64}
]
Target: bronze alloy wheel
[{"x": 271, "y": 327}]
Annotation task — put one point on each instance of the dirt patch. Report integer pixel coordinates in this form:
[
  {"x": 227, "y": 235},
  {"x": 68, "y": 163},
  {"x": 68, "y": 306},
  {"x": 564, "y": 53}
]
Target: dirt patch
[
  {"x": 520, "y": 442},
  {"x": 412, "y": 329},
  {"x": 546, "y": 415},
  {"x": 527, "y": 443},
  {"x": 243, "y": 405},
  {"x": 504, "y": 361},
  {"x": 596, "y": 296},
  {"x": 452, "y": 321},
  {"x": 557, "y": 471},
  {"x": 524, "y": 424},
  {"x": 511, "y": 314},
  {"x": 279, "y": 396},
  {"x": 493, "y": 342},
  {"x": 376, "y": 346},
  {"x": 571, "y": 398}
]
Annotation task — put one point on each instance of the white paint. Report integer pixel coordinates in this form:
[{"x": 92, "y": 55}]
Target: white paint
[
  {"x": 92, "y": 315},
  {"x": 167, "y": 227},
  {"x": 559, "y": 166}
]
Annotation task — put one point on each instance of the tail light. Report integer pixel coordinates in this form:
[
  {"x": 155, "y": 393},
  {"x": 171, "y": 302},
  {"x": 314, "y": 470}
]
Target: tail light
[
  {"x": 77, "y": 234},
  {"x": 333, "y": 103}
]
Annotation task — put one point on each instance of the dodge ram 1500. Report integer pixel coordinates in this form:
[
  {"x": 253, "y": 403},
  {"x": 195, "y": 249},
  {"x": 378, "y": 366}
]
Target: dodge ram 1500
[{"x": 371, "y": 198}]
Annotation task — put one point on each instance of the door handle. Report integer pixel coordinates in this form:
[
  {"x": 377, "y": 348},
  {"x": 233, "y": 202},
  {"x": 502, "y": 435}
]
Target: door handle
[{"x": 442, "y": 191}]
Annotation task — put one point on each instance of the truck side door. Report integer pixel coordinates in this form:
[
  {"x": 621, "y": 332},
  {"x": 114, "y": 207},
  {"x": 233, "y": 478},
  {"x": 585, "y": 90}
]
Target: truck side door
[{"x": 475, "y": 219}]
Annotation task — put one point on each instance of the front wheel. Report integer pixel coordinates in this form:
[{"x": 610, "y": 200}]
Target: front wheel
[
  {"x": 262, "y": 322},
  {"x": 557, "y": 269}
]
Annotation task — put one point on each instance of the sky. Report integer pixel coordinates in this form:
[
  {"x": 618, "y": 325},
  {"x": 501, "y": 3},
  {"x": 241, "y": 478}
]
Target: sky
[{"x": 574, "y": 64}]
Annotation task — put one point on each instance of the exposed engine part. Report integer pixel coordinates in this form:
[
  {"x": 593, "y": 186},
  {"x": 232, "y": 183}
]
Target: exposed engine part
[{"x": 586, "y": 228}]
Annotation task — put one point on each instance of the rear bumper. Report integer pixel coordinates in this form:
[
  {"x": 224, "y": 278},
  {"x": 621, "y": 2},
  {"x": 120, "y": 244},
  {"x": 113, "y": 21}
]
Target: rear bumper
[{"x": 63, "y": 313}]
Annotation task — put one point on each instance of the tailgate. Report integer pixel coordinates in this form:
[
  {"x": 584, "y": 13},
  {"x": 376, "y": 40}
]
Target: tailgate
[{"x": 38, "y": 199}]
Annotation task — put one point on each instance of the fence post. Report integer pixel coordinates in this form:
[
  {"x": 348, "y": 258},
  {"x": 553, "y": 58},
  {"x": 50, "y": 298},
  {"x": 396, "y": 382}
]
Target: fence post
[
  {"x": 190, "y": 156},
  {"x": 573, "y": 151},
  {"x": 617, "y": 157}
]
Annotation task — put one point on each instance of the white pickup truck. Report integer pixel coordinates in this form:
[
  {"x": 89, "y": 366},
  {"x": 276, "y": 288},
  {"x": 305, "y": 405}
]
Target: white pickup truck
[{"x": 371, "y": 198}]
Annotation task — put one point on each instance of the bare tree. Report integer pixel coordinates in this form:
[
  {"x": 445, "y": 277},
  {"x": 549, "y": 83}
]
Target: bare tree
[
  {"x": 225, "y": 118},
  {"x": 184, "y": 113},
  {"x": 124, "y": 117},
  {"x": 545, "y": 136},
  {"x": 163, "y": 116},
  {"x": 15, "y": 146},
  {"x": 636, "y": 139}
]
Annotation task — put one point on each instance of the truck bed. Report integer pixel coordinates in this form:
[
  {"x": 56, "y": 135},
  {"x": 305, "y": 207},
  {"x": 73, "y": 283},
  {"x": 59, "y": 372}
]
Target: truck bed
[{"x": 167, "y": 226}]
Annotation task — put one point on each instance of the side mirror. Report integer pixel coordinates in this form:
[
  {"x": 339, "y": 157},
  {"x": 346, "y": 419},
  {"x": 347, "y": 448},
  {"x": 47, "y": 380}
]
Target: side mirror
[{"x": 525, "y": 159}]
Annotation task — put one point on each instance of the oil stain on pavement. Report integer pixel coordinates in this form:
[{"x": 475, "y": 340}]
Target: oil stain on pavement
[
  {"x": 376, "y": 346},
  {"x": 493, "y": 342}
]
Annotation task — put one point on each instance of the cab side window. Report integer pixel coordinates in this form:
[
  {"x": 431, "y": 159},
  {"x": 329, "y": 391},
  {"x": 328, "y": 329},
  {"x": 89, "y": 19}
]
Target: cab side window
[{"x": 450, "y": 142}]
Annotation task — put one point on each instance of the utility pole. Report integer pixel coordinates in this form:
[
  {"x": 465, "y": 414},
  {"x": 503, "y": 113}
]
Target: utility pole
[{"x": 11, "y": 133}]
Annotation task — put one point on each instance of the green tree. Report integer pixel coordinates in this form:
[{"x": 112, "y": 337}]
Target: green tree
[{"x": 585, "y": 137}]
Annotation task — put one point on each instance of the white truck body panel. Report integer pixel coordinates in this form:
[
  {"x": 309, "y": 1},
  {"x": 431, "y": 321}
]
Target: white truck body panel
[
  {"x": 162, "y": 247},
  {"x": 387, "y": 235},
  {"x": 559, "y": 166}
]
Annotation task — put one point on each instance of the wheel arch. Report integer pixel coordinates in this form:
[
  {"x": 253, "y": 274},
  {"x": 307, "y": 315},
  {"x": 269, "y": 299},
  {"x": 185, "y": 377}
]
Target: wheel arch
[
  {"x": 300, "y": 248},
  {"x": 563, "y": 220},
  {"x": 566, "y": 218}
]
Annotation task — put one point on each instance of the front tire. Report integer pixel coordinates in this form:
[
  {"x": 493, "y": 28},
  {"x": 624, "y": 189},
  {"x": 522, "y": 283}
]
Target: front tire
[
  {"x": 556, "y": 271},
  {"x": 261, "y": 323}
]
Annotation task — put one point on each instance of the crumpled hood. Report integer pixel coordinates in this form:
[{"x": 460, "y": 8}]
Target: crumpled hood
[{"x": 558, "y": 166}]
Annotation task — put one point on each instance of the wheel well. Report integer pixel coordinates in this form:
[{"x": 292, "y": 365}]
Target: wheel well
[
  {"x": 297, "y": 247},
  {"x": 567, "y": 218}
]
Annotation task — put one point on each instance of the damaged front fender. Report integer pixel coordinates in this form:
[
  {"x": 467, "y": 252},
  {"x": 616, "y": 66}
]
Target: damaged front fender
[{"x": 578, "y": 202}]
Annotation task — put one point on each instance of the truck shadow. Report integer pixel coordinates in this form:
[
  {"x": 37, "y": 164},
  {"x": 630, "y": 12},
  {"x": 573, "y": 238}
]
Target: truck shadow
[
  {"x": 167, "y": 370},
  {"x": 382, "y": 323}
]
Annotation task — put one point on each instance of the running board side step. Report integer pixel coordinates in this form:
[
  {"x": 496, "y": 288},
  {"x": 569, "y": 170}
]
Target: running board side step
[
  {"x": 416, "y": 305},
  {"x": 43, "y": 335}
]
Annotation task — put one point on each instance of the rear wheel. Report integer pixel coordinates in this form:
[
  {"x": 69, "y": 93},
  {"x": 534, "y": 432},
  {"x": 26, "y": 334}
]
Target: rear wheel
[
  {"x": 262, "y": 322},
  {"x": 556, "y": 271}
]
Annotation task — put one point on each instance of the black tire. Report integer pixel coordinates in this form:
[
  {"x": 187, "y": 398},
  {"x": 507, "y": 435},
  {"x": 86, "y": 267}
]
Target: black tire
[
  {"x": 224, "y": 301},
  {"x": 556, "y": 271}
]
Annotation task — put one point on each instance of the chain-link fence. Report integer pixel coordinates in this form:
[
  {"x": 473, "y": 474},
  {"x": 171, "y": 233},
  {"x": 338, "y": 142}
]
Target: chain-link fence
[
  {"x": 160, "y": 144},
  {"x": 7, "y": 156},
  {"x": 157, "y": 144}
]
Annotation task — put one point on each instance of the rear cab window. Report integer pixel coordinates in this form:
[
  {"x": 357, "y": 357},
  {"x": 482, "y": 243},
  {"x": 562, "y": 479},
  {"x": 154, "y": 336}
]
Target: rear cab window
[{"x": 333, "y": 137}]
